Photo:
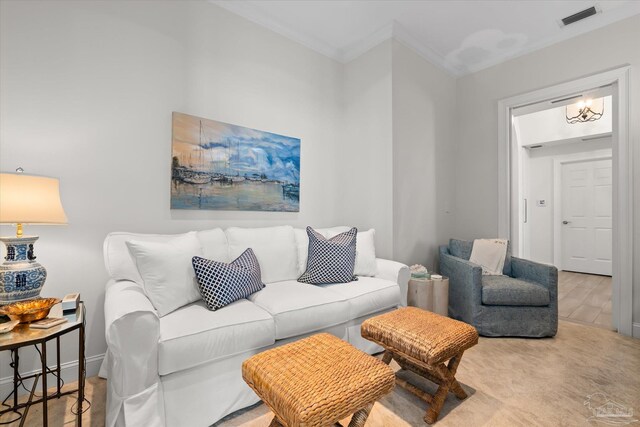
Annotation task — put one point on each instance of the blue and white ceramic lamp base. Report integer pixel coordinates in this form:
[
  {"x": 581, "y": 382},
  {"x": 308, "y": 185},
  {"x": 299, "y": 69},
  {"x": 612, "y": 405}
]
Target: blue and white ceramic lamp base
[{"x": 21, "y": 276}]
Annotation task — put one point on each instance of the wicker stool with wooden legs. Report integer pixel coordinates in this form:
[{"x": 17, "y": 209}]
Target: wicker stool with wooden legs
[
  {"x": 421, "y": 342},
  {"x": 318, "y": 381}
]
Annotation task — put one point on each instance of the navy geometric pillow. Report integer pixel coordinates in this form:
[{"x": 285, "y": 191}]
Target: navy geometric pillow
[
  {"x": 222, "y": 283},
  {"x": 330, "y": 260}
]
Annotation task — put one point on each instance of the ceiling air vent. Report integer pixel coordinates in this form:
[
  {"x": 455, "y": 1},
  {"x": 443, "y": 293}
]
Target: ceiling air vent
[{"x": 579, "y": 16}]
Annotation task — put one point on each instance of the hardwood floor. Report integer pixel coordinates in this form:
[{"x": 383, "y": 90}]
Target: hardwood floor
[{"x": 585, "y": 298}]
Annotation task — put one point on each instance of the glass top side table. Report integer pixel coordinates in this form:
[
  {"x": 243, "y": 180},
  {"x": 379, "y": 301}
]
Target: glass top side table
[{"x": 22, "y": 336}]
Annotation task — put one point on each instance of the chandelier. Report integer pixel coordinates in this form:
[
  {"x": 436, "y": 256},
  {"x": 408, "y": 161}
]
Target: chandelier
[{"x": 585, "y": 111}]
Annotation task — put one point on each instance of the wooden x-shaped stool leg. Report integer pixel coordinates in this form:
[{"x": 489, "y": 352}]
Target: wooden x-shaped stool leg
[
  {"x": 357, "y": 420},
  {"x": 441, "y": 374}
]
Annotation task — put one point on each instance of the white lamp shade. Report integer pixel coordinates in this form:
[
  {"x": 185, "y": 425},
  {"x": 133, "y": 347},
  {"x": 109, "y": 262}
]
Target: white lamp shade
[{"x": 30, "y": 199}]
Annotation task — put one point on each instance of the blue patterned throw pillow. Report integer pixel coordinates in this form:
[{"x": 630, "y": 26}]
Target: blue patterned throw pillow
[
  {"x": 222, "y": 283},
  {"x": 330, "y": 260}
]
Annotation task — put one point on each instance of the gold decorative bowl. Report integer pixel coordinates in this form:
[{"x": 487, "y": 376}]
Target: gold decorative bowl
[{"x": 30, "y": 310}]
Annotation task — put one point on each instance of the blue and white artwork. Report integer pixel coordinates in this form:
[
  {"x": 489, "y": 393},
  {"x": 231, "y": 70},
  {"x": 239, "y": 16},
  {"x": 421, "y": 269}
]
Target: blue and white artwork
[{"x": 221, "y": 166}]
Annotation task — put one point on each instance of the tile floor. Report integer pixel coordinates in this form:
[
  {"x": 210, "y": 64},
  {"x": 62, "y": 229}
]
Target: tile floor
[
  {"x": 510, "y": 382},
  {"x": 517, "y": 382},
  {"x": 584, "y": 298}
]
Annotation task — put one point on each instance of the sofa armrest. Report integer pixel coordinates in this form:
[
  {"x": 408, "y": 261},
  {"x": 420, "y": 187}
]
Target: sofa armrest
[
  {"x": 465, "y": 285},
  {"x": 544, "y": 274},
  {"x": 396, "y": 272},
  {"x": 132, "y": 331}
]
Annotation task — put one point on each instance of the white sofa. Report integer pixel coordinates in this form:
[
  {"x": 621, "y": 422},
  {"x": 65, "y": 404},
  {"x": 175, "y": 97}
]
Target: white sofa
[{"x": 184, "y": 369}]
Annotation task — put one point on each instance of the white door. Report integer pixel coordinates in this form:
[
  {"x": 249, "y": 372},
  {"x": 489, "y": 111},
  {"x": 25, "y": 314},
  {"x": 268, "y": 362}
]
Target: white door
[{"x": 586, "y": 216}]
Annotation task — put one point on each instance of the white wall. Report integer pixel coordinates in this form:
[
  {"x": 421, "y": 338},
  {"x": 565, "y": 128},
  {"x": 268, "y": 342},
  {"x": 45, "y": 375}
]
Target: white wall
[
  {"x": 86, "y": 95},
  {"x": 539, "y": 183},
  {"x": 399, "y": 118},
  {"x": 366, "y": 194},
  {"x": 423, "y": 151},
  {"x": 477, "y": 100}
]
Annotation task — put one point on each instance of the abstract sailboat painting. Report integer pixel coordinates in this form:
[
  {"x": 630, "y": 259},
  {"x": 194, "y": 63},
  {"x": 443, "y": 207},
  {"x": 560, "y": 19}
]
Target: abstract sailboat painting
[{"x": 219, "y": 166}]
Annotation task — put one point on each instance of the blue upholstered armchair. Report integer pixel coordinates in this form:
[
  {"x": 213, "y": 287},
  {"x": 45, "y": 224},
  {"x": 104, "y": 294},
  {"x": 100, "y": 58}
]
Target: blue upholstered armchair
[{"x": 521, "y": 303}]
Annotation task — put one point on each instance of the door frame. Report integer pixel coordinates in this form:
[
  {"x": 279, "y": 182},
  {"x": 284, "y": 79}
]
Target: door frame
[
  {"x": 557, "y": 195},
  {"x": 509, "y": 180}
]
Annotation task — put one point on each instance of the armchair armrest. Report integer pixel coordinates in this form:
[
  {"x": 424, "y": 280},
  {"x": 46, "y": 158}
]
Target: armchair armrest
[
  {"x": 544, "y": 274},
  {"x": 465, "y": 285},
  {"x": 132, "y": 332},
  {"x": 396, "y": 272}
]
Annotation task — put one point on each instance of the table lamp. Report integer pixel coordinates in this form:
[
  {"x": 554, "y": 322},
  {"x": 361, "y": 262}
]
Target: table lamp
[{"x": 25, "y": 199}]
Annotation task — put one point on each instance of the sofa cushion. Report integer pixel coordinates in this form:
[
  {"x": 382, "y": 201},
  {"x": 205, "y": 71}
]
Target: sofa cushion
[
  {"x": 168, "y": 277},
  {"x": 193, "y": 335},
  {"x": 222, "y": 283},
  {"x": 214, "y": 244},
  {"x": 275, "y": 248},
  {"x": 366, "y": 262},
  {"x": 330, "y": 260},
  {"x": 119, "y": 262},
  {"x": 368, "y": 295},
  {"x": 505, "y": 290},
  {"x": 121, "y": 265},
  {"x": 302, "y": 242},
  {"x": 299, "y": 308}
]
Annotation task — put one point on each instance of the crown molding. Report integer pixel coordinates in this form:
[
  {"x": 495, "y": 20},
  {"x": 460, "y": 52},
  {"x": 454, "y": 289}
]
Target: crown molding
[
  {"x": 397, "y": 32},
  {"x": 353, "y": 51},
  {"x": 257, "y": 16},
  {"x": 403, "y": 36},
  {"x": 393, "y": 30}
]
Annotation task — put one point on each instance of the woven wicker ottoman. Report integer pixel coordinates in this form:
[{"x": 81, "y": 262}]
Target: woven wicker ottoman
[
  {"x": 421, "y": 342},
  {"x": 318, "y": 381}
]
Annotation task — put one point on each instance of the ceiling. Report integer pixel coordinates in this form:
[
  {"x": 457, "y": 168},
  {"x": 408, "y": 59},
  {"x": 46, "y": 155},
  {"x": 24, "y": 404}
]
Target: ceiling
[{"x": 460, "y": 36}]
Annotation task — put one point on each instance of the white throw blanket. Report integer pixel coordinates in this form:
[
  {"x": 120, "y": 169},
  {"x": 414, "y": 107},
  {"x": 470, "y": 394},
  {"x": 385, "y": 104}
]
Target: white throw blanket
[{"x": 490, "y": 255}]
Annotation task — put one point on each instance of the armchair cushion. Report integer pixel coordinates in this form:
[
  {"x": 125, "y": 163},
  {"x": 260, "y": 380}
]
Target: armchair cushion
[{"x": 505, "y": 290}]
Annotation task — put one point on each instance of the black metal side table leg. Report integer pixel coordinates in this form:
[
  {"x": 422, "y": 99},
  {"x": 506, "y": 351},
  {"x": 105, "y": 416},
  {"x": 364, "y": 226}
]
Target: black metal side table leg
[
  {"x": 58, "y": 369},
  {"x": 81, "y": 375},
  {"x": 45, "y": 418},
  {"x": 16, "y": 365}
]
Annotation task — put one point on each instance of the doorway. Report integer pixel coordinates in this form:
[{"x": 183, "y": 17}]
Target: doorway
[
  {"x": 586, "y": 199},
  {"x": 585, "y": 231},
  {"x": 514, "y": 212},
  {"x": 566, "y": 189}
]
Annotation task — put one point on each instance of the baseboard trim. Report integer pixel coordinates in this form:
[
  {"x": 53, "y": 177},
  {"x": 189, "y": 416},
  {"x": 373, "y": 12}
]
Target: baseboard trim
[
  {"x": 68, "y": 372},
  {"x": 636, "y": 330}
]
